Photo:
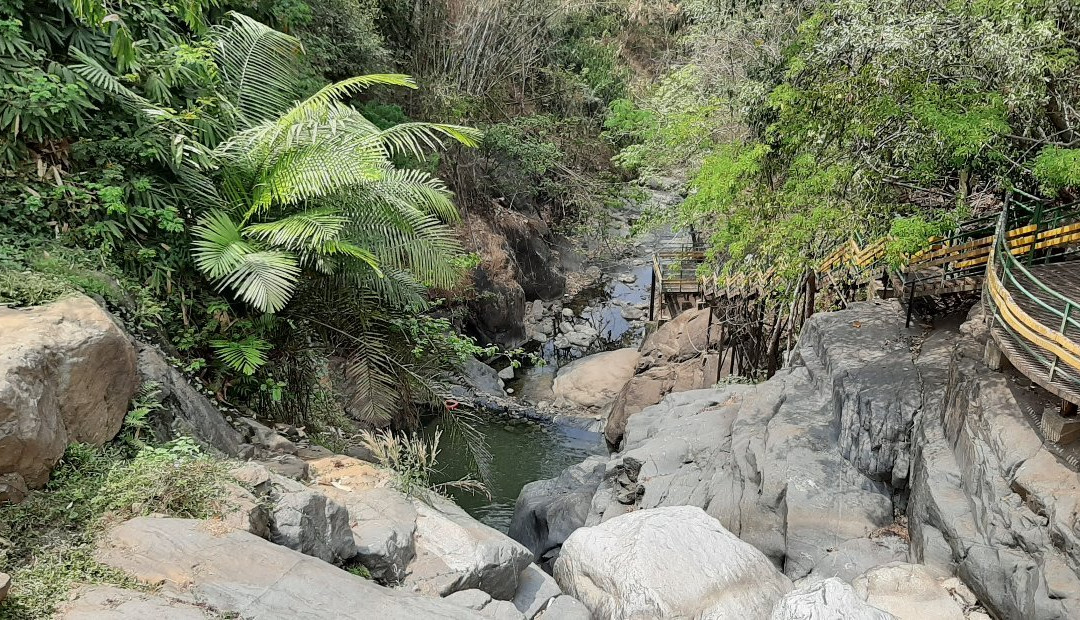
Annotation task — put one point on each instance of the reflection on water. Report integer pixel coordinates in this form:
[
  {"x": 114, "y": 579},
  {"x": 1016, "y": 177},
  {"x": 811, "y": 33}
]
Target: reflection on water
[{"x": 521, "y": 453}]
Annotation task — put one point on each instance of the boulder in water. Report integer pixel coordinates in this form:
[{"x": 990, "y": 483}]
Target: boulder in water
[{"x": 596, "y": 380}]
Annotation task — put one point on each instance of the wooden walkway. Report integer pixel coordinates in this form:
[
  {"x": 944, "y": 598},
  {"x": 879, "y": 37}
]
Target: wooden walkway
[{"x": 1025, "y": 261}]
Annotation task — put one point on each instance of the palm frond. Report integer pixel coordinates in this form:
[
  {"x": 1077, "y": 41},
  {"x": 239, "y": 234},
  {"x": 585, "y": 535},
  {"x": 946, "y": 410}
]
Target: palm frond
[
  {"x": 219, "y": 245},
  {"x": 259, "y": 66},
  {"x": 417, "y": 139},
  {"x": 245, "y": 356},
  {"x": 265, "y": 279}
]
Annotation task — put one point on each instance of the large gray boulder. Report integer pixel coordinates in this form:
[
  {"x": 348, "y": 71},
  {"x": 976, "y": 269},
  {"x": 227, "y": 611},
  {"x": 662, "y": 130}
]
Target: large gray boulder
[
  {"x": 383, "y": 525},
  {"x": 829, "y": 599},
  {"x": 67, "y": 374},
  {"x": 184, "y": 410},
  {"x": 238, "y": 574},
  {"x": 308, "y": 521},
  {"x": 481, "y": 377},
  {"x": 456, "y": 552},
  {"x": 675, "y": 562},
  {"x": 548, "y": 511}
]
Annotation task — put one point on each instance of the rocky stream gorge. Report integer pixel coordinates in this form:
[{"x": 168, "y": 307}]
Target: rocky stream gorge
[{"x": 885, "y": 472}]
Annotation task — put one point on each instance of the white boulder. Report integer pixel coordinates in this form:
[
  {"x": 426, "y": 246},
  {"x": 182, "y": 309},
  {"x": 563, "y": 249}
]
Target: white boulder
[{"x": 674, "y": 562}]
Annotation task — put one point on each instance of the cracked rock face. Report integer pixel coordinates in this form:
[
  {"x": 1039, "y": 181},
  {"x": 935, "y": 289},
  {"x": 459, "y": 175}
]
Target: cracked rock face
[{"x": 873, "y": 447}]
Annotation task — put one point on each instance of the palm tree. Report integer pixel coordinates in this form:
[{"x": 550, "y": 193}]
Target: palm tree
[
  {"x": 310, "y": 186},
  {"x": 314, "y": 218}
]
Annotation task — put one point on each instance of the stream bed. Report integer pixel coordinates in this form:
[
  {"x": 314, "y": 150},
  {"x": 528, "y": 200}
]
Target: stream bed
[{"x": 521, "y": 452}]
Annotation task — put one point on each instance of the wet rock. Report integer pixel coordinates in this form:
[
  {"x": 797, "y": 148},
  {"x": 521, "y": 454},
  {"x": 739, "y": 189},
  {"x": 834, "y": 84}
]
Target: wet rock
[
  {"x": 830, "y": 599},
  {"x": 67, "y": 374},
  {"x": 548, "y": 511},
  {"x": 668, "y": 562},
  {"x": 506, "y": 374},
  {"x": 481, "y": 377},
  {"x": 596, "y": 380},
  {"x": 628, "y": 278},
  {"x": 568, "y": 313},
  {"x": 239, "y": 574}
]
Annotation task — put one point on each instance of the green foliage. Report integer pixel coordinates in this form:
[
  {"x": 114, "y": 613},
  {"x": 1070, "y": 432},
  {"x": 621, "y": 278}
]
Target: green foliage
[
  {"x": 414, "y": 460},
  {"x": 175, "y": 479},
  {"x": 911, "y": 234},
  {"x": 1057, "y": 168}
]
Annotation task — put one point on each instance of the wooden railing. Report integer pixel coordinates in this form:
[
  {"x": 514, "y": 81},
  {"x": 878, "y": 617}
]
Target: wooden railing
[{"x": 1033, "y": 290}]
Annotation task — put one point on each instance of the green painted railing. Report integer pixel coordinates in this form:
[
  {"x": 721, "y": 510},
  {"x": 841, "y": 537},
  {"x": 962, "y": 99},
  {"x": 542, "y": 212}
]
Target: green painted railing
[{"x": 1037, "y": 325}]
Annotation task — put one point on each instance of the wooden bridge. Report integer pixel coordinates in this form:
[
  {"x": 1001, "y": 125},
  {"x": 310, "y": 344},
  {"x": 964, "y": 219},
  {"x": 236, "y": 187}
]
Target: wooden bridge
[{"x": 1025, "y": 261}]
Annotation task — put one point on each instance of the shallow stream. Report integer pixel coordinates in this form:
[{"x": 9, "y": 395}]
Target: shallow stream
[{"x": 524, "y": 451}]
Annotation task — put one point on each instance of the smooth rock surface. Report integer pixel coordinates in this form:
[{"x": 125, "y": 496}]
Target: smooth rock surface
[
  {"x": 241, "y": 574},
  {"x": 109, "y": 603},
  {"x": 596, "y": 380},
  {"x": 908, "y": 592},
  {"x": 565, "y": 608},
  {"x": 829, "y": 599},
  {"x": 667, "y": 562},
  {"x": 456, "y": 552},
  {"x": 535, "y": 589},
  {"x": 67, "y": 374}
]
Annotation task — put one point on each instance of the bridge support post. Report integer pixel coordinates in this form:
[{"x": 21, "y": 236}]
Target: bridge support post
[{"x": 992, "y": 355}]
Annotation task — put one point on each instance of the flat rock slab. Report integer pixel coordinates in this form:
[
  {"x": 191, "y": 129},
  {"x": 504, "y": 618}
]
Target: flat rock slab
[
  {"x": 101, "y": 602},
  {"x": 239, "y": 573}
]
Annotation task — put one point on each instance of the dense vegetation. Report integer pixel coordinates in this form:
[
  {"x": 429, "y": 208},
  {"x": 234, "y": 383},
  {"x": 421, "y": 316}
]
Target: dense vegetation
[
  {"x": 221, "y": 176},
  {"x": 799, "y": 124}
]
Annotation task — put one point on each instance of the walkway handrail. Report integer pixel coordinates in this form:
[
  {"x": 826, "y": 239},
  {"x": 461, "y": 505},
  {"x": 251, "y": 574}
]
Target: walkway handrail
[{"x": 1025, "y": 329}]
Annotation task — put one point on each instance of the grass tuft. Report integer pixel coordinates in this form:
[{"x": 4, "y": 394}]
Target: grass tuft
[{"x": 47, "y": 542}]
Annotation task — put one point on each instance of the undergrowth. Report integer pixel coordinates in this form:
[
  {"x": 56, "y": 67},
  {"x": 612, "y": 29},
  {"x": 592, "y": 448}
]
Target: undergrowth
[{"x": 47, "y": 542}]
